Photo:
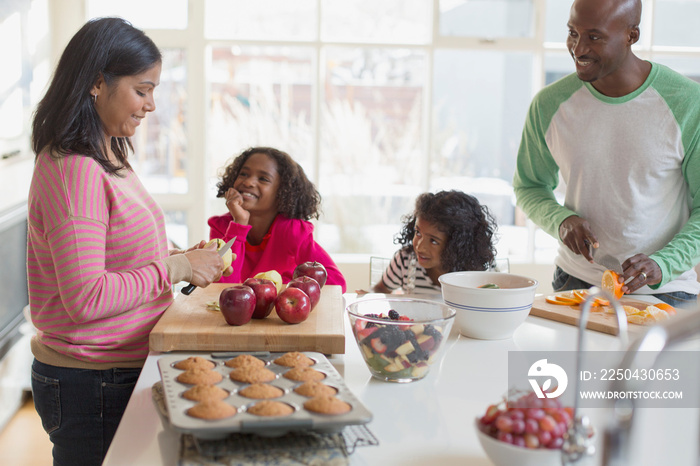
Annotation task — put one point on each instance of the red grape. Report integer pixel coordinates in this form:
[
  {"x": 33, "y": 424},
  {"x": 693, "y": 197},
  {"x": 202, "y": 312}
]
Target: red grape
[
  {"x": 548, "y": 423},
  {"x": 532, "y": 426},
  {"x": 505, "y": 436},
  {"x": 504, "y": 423},
  {"x": 531, "y": 441}
]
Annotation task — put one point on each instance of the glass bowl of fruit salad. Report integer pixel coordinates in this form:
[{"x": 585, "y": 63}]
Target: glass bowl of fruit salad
[
  {"x": 400, "y": 338},
  {"x": 524, "y": 430}
]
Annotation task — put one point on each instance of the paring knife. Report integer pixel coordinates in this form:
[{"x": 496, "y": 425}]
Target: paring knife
[{"x": 190, "y": 288}]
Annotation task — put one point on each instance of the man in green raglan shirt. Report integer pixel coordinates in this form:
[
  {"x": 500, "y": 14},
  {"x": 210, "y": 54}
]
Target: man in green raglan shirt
[{"x": 624, "y": 134}]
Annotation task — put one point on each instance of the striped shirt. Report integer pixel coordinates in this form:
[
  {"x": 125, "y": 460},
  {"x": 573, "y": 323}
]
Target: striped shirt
[
  {"x": 400, "y": 273},
  {"x": 95, "y": 250}
]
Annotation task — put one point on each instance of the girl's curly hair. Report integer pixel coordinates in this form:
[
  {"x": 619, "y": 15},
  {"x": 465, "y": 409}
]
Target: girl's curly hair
[
  {"x": 470, "y": 229},
  {"x": 297, "y": 197}
]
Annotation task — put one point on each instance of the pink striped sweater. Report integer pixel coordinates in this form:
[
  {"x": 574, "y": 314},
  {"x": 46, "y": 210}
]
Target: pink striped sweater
[{"x": 98, "y": 281}]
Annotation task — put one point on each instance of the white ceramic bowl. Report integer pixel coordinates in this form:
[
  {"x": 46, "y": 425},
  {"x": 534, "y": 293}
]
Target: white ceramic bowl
[
  {"x": 488, "y": 313},
  {"x": 505, "y": 454}
]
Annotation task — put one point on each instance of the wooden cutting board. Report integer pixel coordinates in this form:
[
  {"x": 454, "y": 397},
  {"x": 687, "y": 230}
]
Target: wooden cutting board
[
  {"x": 187, "y": 325},
  {"x": 598, "y": 321}
]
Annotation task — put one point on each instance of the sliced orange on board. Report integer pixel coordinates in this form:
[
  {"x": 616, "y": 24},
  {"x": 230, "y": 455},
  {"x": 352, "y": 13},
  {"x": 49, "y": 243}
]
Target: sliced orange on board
[
  {"x": 574, "y": 298},
  {"x": 612, "y": 283},
  {"x": 670, "y": 310},
  {"x": 561, "y": 300}
]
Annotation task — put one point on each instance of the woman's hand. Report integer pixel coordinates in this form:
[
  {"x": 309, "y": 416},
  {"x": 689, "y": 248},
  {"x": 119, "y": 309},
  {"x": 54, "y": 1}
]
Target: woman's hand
[
  {"x": 206, "y": 265},
  {"x": 234, "y": 204},
  {"x": 199, "y": 245}
]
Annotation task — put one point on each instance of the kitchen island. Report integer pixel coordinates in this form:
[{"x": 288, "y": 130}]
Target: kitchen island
[{"x": 431, "y": 421}]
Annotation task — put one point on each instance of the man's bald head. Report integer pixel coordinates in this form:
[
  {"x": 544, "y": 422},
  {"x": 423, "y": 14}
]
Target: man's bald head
[{"x": 628, "y": 11}]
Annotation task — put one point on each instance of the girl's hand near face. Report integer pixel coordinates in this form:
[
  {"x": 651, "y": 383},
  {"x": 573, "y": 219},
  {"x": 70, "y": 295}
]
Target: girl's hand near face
[{"x": 234, "y": 203}]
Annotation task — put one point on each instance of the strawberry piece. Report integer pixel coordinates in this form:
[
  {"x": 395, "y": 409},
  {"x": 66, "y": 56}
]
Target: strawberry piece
[
  {"x": 377, "y": 345},
  {"x": 365, "y": 332}
]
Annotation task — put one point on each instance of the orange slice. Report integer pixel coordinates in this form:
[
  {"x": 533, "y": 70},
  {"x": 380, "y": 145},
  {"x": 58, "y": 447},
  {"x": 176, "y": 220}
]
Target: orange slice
[
  {"x": 601, "y": 302},
  {"x": 670, "y": 310},
  {"x": 580, "y": 295},
  {"x": 640, "y": 320},
  {"x": 612, "y": 283},
  {"x": 561, "y": 300},
  {"x": 631, "y": 310},
  {"x": 656, "y": 313}
]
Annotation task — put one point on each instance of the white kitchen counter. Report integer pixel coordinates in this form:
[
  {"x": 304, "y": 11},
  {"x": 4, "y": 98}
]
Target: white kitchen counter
[{"x": 431, "y": 420}]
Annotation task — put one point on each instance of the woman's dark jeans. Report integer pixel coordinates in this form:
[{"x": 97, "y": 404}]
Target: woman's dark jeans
[
  {"x": 80, "y": 409},
  {"x": 562, "y": 281}
]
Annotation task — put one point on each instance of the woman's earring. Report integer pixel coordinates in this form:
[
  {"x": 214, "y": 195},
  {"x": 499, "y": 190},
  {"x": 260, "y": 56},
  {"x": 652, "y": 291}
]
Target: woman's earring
[{"x": 94, "y": 98}]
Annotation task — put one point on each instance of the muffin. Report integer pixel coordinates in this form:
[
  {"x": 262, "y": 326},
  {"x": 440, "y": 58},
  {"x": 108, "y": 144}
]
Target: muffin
[
  {"x": 194, "y": 362},
  {"x": 199, "y": 376},
  {"x": 313, "y": 388},
  {"x": 245, "y": 360},
  {"x": 250, "y": 374},
  {"x": 325, "y": 404},
  {"x": 260, "y": 391},
  {"x": 212, "y": 409},
  {"x": 271, "y": 408},
  {"x": 205, "y": 392},
  {"x": 304, "y": 374},
  {"x": 294, "y": 359}
]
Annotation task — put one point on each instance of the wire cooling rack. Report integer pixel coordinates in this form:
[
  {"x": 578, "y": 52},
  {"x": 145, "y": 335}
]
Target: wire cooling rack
[{"x": 350, "y": 438}]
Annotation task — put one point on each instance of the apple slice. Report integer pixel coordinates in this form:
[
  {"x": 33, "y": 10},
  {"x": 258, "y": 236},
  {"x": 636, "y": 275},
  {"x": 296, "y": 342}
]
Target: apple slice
[
  {"x": 405, "y": 348},
  {"x": 426, "y": 342}
]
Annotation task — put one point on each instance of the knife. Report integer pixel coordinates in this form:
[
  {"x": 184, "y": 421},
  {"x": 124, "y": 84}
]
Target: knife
[
  {"x": 610, "y": 263},
  {"x": 190, "y": 288}
]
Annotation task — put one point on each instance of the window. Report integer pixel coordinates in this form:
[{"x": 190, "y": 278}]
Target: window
[
  {"x": 25, "y": 71},
  {"x": 377, "y": 100}
]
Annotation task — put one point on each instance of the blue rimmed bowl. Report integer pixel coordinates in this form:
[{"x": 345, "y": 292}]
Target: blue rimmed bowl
[{"x": 489, "y": 305}]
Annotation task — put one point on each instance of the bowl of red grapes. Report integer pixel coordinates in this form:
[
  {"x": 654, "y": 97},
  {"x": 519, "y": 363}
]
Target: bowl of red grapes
[{"x": 524, "y": 430}]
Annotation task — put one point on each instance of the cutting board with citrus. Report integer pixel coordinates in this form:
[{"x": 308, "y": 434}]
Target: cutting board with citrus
[
  {"x": 192, "y": 324},
  {"x": 565, "y": 307}
]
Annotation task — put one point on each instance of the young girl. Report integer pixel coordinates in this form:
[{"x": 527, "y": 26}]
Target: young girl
[
  {"x": 449, "y": 231},
  {"x": 269, "y": 201}
]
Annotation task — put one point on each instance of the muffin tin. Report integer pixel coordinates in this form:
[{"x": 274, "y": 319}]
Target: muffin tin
[{"x": 245, "y": 422}]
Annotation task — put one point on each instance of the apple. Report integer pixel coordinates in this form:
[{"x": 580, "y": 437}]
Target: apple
[
  {"x": 293, "y": 305},
  {"x": 237, "y": 304},
  {"x": 228, "y": 255},
  {"x": 265, "y": 295},
  {"x": 309, "y": 286},
  {"x": 315, "y": 270}
]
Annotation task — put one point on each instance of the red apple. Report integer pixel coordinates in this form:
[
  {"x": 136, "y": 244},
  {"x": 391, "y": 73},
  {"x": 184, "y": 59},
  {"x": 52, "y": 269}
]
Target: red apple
[
  {"x": 237, "y": 304},
  {"x": 309, "y": 286},
  {"x": 315, "y": 270},
  {"x": 265, "y": 294},
  {"x": 293, "y": 305}
]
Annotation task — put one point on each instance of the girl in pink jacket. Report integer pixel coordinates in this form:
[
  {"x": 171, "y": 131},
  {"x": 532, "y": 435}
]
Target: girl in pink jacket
[{"x": 270, "y": 202}]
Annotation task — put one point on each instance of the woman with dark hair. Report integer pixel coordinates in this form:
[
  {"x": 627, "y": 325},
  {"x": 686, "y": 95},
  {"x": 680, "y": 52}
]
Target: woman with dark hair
[
  {"x": 99, "y": 270},
  {"x": 449, "y": 231},
  {"x": 269, "y": 201}
]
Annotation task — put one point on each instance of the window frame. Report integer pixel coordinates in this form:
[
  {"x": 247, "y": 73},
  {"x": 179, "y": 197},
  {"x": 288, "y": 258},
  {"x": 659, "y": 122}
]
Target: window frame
[{"x": 69, "y": 16}]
